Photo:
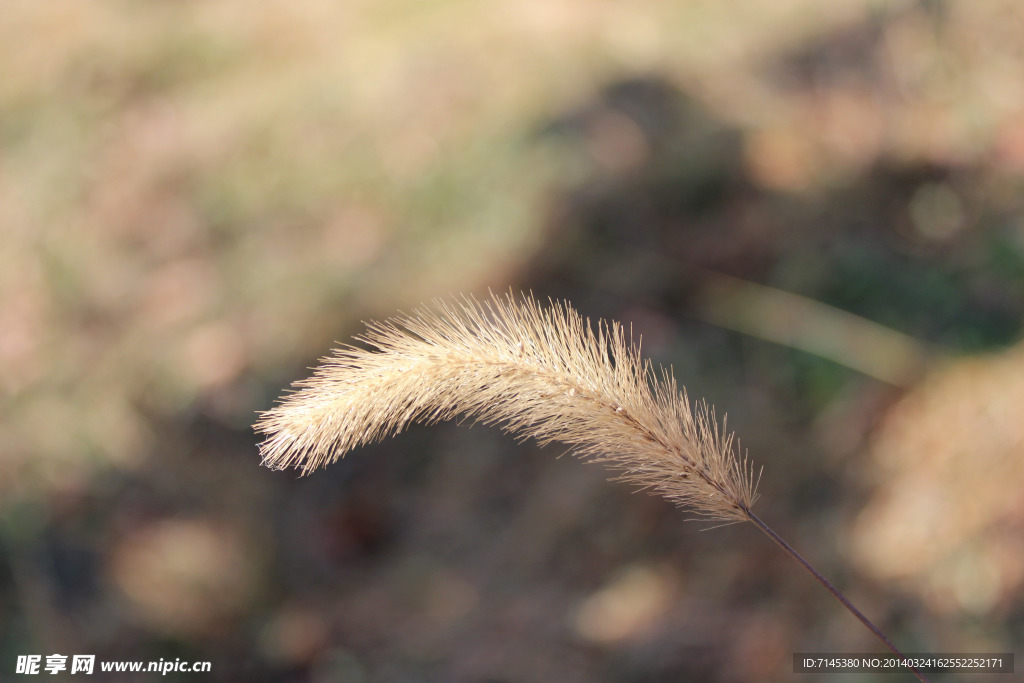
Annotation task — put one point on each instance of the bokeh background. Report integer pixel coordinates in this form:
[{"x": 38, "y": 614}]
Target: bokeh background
[{"x": 813, "y": 211}]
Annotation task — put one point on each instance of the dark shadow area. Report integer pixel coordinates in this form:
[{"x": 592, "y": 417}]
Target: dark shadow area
[{"x": 917, "y": 247}]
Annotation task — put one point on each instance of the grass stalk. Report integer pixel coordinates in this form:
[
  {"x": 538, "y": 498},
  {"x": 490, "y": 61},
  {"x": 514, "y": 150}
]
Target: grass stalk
[
  {"x": 538, "y": 372},
  {"x": 781, "y": 542}
]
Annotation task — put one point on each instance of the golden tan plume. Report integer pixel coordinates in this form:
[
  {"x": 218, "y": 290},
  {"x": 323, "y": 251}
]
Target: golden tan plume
[{"x": 539, "y": 372}]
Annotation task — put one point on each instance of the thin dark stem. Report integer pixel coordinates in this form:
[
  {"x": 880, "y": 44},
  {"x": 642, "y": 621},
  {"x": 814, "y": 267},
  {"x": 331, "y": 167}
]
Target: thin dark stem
[{"x": 829, "y": 587}]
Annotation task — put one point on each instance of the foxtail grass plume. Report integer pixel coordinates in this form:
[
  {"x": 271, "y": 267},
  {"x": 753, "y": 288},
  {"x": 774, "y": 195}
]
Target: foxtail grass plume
[{"x": 539, "y": 372}]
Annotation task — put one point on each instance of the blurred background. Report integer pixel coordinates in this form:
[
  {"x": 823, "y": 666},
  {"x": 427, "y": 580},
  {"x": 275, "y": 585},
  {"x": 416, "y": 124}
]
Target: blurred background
[{"x": 813, "y": 212}]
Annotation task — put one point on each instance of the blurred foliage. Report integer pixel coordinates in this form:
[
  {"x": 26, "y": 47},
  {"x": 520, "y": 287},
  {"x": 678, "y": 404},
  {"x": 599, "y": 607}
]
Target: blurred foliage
[{"x": 196, "y": 198}]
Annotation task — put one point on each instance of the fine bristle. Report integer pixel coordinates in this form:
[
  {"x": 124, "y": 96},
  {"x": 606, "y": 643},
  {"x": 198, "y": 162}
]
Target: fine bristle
[{"x": 538, "y": 372}]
